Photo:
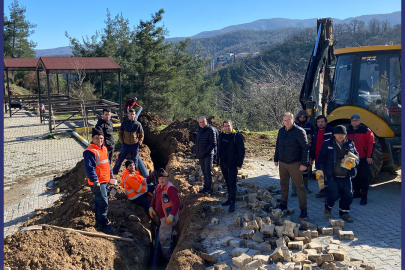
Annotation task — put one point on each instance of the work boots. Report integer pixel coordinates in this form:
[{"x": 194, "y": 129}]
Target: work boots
[
  {"x": 304, "y": 215},
  {"x": 306, "y": 185},
  {"x": 321, "y": 194},
  {"x": 231, "y": 207},
  {"x": 227, "y": 202},
  {"x": 363, "y": 200}
]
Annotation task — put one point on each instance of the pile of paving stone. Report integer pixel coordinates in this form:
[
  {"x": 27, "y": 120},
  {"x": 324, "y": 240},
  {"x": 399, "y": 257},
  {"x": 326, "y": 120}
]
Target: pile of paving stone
[{"x": 265, "y": 229}]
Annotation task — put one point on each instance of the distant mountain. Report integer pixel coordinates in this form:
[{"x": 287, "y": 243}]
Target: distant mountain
[
  {"x": 61, "y": 51},
  {"x": 264, "y": 24}
]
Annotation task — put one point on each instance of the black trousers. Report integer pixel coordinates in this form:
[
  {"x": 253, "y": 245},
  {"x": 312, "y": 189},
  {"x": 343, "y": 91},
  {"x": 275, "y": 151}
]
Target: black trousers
[
  {"x": 230, "y": 175},
  {"x": 361, "y": 181},
  {"x": 339, "y": 188},
  {"x": 110, "y": 152}
]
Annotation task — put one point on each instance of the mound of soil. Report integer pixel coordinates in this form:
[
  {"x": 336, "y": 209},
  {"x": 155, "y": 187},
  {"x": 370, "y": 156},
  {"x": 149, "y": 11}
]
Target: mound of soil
[{"x": 54, "y": 249}]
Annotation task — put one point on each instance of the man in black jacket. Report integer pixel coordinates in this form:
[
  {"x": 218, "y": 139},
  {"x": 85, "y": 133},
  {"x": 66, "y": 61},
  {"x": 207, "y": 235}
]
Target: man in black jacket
[
  {"x": 292, "y": 154},
  {"x": 337, "y": 177},
  {"x": 107, "y": 127},
  {"x": 231, "y": 152},
  {"x": 206, "y": 142}
]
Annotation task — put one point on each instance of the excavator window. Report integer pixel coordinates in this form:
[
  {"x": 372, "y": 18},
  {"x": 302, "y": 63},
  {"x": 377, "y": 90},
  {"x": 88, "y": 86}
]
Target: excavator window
[
  {"x": 342, "y": 83},
  {"x": 371, "y": 80}
]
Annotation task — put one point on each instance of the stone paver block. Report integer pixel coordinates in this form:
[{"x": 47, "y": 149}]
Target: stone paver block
[
  {"x": 253, "y": 252},
  {"x": 336, "y": 229},
  {"x": 296, "y": 245},
  {"x": 238, "y": 251},
  {"x": 235, "y": 243},
  {"x": 225, "y": 241},
  {"x": 267, "y": 229},
  {"x": 339, "y": 255},
  {"x": 336, "y": 222},
  {"x": 289, "y": 228},
  {"x": 263, "y": 258},
  {"x": 247, "y": 234},
  {"x": 258, "y": 237},
  {"x": 326, "y": 231},
  {"x": 208, "y": 257},
  {"x": 251, "y": 225},
  {"x": 214, "y": 221},
  {"x": 253, "y": 265},
  {"x": 349, "y": 235},
  {"x": 216, "y": 208},
  {"x": 300, "y": 257},
  {"x": 241, "y": 260}
]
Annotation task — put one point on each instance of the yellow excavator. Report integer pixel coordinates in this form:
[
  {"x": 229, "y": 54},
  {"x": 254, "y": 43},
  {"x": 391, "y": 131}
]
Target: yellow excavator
[{"x": 358, "y": 80}]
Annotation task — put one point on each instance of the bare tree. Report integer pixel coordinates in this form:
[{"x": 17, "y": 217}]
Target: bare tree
[
  {"x": 80, "y": 92},
  {"x": 374, "y": 26},
  {"x": 272, "y": 92}
]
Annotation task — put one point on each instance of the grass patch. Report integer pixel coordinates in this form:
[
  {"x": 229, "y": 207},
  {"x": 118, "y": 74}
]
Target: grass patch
[
  {"x": 161, "y": 127},
  {"x": 65, "y": 115},
  {"x": 17, "y": 90},
  {"x": 272, "y": 134}
]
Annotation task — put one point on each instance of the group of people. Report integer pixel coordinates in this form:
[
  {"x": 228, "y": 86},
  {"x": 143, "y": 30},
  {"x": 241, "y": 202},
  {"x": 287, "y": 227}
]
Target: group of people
[
  {"x": 341, "y": 156},
  {"x": 154, "y": 193},
  {"x": 226, "y": 150},
  {"x": 299, "y": 145}
]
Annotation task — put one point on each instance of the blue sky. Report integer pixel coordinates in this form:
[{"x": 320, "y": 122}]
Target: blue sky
[{"x": 182, "y": 18}]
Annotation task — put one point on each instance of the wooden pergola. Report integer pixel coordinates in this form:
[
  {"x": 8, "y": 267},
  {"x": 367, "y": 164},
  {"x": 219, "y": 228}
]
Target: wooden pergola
[
  {"x": 17, "y": 64},
  {"x": 64, "y": 65}
]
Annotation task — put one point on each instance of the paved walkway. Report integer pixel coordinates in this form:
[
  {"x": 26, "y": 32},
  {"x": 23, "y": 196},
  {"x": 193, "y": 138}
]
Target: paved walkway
[
  {"x": 32, "y": 161},
  {"x": 377, "y": 226}
]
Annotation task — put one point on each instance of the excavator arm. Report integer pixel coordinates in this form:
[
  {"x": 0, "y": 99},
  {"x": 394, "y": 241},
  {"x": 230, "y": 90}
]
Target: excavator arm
[{"x": 318, "y": 78}]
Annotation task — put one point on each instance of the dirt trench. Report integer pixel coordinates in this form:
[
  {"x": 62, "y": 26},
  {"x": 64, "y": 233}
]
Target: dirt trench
[
  {"x": 171, "y": 148},
  {"x": 56, "y": 249}
]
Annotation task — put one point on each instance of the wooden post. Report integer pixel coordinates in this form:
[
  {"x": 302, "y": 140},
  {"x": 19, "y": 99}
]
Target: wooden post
[
  {"x": 49, "y": 104},
  {"x": 119, "y": 88},
  {"x": 39, "y": 97},
  {"x": 9, "y": 96},
  {"x": 67, "y": 84},
  {"x": 57, "y": 81},
  {"x": 102, "y": 86}
]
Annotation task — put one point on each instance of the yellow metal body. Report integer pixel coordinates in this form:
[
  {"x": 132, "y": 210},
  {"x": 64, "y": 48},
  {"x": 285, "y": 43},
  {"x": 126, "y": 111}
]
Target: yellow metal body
[
  {"x": 367, "y": 49},
  {"x": 371, "y": 120}
]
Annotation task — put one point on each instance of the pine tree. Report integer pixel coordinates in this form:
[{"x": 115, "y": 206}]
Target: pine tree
[{"x": 17, "y": 29}]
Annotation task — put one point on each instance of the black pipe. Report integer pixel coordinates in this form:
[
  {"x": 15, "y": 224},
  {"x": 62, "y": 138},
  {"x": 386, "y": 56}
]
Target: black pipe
[{"x": 156, "y": 250}]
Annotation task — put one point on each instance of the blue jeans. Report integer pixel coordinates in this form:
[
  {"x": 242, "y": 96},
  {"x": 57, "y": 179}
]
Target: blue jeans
[
  {"x": 126, "y": 110},
  {"x": 339, "y": 188},
  {"x": 126, "y": 149},
  {"x": 206, "y": 170},
  {"x": 230, "y": 175},
  {"x": 101, "y": 204},
  {"x": 143, "y": 200}
]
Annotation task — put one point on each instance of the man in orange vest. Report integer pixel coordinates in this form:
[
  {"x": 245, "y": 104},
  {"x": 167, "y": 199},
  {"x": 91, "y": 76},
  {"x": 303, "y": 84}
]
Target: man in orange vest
[
  {"x": 99, "y": 174},
  {"x": 136, "y": 187},
  {"x": 166, "y": 202}
]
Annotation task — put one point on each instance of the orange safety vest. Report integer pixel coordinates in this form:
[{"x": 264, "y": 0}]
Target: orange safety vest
[
  {"x": 133, "y": 184},
  {"x": 102, "y": 165},
  {"x": 166, "y": 203}
]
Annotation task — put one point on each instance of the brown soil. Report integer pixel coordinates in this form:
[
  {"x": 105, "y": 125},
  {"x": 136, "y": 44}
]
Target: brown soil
[{"x": 54, "y": 249}]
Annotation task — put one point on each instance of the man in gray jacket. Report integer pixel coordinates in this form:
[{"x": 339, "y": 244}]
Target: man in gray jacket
[
  {"x": 291, "y": 156},
  {"x": 206, "y": 142}
]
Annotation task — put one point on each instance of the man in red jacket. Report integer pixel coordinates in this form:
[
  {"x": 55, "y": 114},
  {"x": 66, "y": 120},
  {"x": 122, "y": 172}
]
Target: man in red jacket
[
  {"x": 166, "y": 202},
  {"x": 130, "y": 104},
  {"x": 363, "y": 139}
]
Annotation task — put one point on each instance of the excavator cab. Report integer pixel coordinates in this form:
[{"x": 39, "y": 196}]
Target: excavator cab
[{"x": 358, "y": 80}]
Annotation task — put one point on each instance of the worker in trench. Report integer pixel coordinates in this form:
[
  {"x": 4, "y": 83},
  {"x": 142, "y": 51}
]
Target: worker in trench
[
  {"x": 137, "y": 188},
  {"x": 99, "y": 175},
  {"x": 167, "y": 203}
]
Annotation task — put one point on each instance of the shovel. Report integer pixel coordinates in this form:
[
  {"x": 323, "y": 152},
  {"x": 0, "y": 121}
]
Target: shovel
[{"x": 41, "y": 226}]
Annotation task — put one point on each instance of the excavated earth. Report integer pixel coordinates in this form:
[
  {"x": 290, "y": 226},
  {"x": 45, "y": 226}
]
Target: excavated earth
[{"x": 50, "y": 248}]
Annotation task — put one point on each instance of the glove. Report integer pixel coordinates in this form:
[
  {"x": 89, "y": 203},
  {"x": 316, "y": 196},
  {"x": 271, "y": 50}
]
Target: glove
[
  {"x": 113, "y": 181},
  {"x": 350, "y": 163},
  {"x": 319, "y": 174},
  {"x": 169, "y": 219},
  {"x": 152, "y": 212},
  {"x": 96, "y": 185}
]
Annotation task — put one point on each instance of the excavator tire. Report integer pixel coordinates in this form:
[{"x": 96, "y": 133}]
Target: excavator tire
[{"x": 375, "y": 167}]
